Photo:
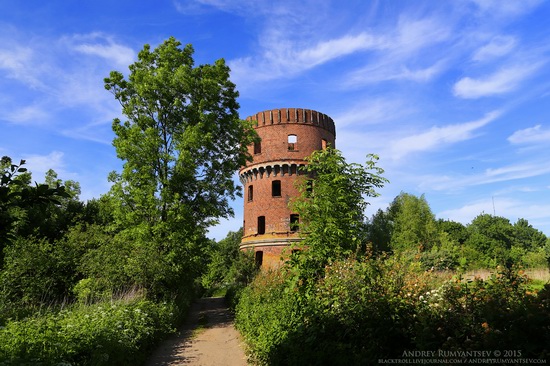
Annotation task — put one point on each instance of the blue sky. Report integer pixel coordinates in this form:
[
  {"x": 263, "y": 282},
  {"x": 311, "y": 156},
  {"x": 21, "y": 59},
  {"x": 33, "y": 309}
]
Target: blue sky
[{"x": 454, "y": 96}]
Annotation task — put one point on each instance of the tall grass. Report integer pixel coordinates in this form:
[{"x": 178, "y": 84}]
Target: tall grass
[{"x": 117, "y": 332}]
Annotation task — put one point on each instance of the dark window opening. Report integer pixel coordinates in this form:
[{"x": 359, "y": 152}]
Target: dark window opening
[
  {"x": 261, "y": 225},
  {"x": 276, "y": 188},
  {"x": 309, "y": 187},
  {"x": 257, "y": 147},
  {"x": 292, "y": 142},
  {"x": 259, "y": 258},
  {"x": 294, "y": 222},
  {"x": 250, "y": 193}
]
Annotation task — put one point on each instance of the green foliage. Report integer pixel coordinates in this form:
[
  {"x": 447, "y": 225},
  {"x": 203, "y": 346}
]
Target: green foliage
[
  {"x": 443, "y": 256},
  {"x": 414, "y": 224},
  {"x": 408, "y": 227},
  {"x": 36, "y": 272},
  {"x": 498, "y": 313},
  {"x": 229, "y": 269},
  {"x": 357, "y": 312},
  {"x": 267, "y": 313},
  {"x": 181, "y": 144},
  {"x": 117, "y": 333},
  {"x": 332, "y": 214},
  {"x": 17, "y": 197},
  {"x": 455, "y": 230},
  {"x": 379, "y": 231},
  {"x": 182, "y": 141},
  {"x": 364, "y": 310},
  {"x": 228, "y": 265},
  {"x": 494, "y": 241},
  {"x": 222, "y": 255}
]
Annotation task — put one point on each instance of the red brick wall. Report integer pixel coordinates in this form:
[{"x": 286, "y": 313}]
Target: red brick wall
[{"x": 273, "y": 127}]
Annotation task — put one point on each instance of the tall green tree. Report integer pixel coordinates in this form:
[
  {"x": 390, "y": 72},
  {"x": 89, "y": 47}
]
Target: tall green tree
[
  {"x": 414, "y": 225},
  {"x": 181, "y": 145},
  {"x": 332, "y": 213},
  {"x": 18, "y": 197},
  {"x": 492, "y": 237},
  {"x": 52, "y": 221},
  {"x": 527, "y": 237},
  {"x": 379, "y": 231}
]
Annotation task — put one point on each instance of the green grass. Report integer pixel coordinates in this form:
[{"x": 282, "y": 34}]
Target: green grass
[
  {"x": 108, "y": 333},
  {"x": 536, "y": 285}
]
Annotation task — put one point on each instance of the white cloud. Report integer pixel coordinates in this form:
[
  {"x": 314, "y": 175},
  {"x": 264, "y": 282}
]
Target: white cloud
[
  {"x": 397, "y": 54},
  {"x": 512, "y": 209},
  {"x": 61, "y": 77},
  {"x": 38, "y": 165},
  {"x": 334, "y": 48},
  {"x": 510, "y": 172},
  {"x": 502, "y": 81},
  {"x": 413, "y": 35},
  {"x": 294, "y": 47},
  {"x": 438, "y": 136},
  {"x": 535, "y": 134},
  {"x": 283, "y": 58},
  {"x": 372, "y": 111},
  {"x": 21, "y": 64},
  {"x": 30, "y": 114},
  {"x": 388, "y": 69},
  {"x": 97, "y": 44},
  {"x": 229, "y": 6},
  {"x": 497, "y": 47},
  {"x": 499, "y": 8}
]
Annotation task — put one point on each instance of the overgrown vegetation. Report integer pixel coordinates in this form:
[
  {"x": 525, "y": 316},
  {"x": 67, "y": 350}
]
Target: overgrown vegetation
[
  {"x": 362, "y": 310},
  {"x": 360, "y": 290},
  {"x": 229, "y": 269},
  {"x": 100, "y": 282},
  {"x": 110, "y": 333}
]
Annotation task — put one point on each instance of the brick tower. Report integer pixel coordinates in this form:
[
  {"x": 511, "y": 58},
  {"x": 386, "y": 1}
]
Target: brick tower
[{"x": 288, "y": 135}]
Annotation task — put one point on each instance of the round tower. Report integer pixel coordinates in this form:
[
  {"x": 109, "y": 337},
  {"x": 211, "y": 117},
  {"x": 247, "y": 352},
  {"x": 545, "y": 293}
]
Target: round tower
[{"x": 288, "y": 136}]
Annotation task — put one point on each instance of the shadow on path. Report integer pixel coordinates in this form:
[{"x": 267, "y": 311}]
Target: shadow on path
[{"x": 206, "y": 338}]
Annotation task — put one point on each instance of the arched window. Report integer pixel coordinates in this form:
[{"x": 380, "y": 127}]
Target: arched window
[
  {"x": 259, "y": 258},
  {"x": 261, "y": 225},
  {"x": 292, "y": 142},
  {"x": 250, "y": 193}
]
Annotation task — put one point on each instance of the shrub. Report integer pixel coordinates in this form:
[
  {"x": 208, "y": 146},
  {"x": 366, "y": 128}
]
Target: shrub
[
  {"x": 498, "y": 313},
  {"x": 118, "y": 333},
  {"x": 358, "y": 311},
  {"x": 362, "y": 310},
  {"x": 266, "y": 314}
]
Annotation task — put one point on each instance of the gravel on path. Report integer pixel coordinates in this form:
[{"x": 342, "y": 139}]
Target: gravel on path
[{"x": 208, "y": 338}]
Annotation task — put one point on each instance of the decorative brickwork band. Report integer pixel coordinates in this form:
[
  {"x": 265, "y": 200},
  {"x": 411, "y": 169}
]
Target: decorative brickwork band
[{"x": 270, "y": 170}]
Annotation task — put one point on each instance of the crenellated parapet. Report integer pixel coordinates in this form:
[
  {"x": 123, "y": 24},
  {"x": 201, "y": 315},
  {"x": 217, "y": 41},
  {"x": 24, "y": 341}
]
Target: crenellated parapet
[
  {"x": 271, "y": 170},
  {"x": 293, "y": 115}
]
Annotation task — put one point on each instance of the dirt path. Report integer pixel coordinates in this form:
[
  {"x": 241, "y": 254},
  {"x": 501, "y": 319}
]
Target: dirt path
[{"x": 207, "y": 338}]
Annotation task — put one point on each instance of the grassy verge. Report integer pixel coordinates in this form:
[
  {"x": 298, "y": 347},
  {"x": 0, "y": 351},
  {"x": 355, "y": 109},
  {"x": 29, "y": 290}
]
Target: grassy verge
[{"x": 117, "y": 333}]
